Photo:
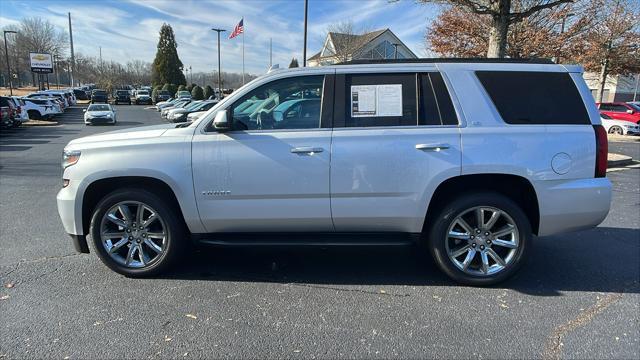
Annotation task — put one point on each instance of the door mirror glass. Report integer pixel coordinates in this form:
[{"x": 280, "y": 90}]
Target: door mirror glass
[
  {"x": 221, "y": 122},
  {"x": 629, "y": 111}
]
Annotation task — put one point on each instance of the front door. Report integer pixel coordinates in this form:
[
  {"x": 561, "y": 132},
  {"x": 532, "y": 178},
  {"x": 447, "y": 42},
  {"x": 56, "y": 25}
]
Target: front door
[{"x": 271, "y": 171}]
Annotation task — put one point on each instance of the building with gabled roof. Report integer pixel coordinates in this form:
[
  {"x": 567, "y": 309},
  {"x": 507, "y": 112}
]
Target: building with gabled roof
[{"x": 379, "y": 44}]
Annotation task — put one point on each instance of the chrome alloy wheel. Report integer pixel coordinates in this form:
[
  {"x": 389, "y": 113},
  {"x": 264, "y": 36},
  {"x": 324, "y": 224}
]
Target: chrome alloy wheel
[
  {"x": 133, "y": 234},
  {"x": 482, "y": 241}
]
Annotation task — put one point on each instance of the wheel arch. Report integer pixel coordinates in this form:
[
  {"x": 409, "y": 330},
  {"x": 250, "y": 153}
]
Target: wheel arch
[
  {"x": 515, "y": 187},
  {"x": 98, "y": 189}
]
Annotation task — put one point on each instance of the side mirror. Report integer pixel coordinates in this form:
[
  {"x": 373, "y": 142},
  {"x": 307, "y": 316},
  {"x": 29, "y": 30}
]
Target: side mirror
[
  {"x": 629, "y": 111},
  {"x": 221, "y": 122},
  {"x": 84, "y": 110}
]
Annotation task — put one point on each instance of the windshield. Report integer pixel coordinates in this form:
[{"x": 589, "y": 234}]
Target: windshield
[
  {"x": 636, "y": 107},
  {"x": 123, "y": 92},
  {"x": 143, "y": 93},
  {"x": 96, "y": 107},
  {"x": 99, "y": 92},
  {"x": 164, "y": 92},
  {"x": 193, "y": 105}
]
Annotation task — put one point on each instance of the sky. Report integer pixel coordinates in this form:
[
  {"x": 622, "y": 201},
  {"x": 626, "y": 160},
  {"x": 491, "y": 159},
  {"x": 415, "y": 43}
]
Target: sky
[{"x": 128, "y": 29}]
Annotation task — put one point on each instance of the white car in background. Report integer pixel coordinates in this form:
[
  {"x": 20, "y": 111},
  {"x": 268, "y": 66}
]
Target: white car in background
[
  {"x": 99, "y": 114},
  {"x": 619, "y": 127},
  {"x": 41, "y": 108}
]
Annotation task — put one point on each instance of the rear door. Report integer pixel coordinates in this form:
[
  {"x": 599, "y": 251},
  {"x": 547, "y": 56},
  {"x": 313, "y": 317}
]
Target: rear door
[{"x": 396, "y": 137}]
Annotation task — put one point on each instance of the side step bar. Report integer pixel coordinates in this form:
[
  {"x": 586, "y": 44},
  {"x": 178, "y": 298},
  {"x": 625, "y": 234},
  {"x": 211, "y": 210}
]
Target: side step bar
[{"x": 306, "y": 239}]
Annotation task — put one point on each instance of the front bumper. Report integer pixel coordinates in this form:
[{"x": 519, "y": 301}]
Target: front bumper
[
  {"x": 71, "y": 216},
  {"x": 104, "y": 120}
]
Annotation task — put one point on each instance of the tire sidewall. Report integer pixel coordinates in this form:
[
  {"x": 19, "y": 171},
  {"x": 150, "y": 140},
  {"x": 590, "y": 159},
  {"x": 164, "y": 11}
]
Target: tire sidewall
[
  {"x": 440, "y": 227},
  {"x": 174, "y": 230}
]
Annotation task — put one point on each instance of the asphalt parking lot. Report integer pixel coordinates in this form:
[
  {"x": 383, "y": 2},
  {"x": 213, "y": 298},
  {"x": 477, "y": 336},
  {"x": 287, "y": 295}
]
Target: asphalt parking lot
[{"x": 577, "y": 297}]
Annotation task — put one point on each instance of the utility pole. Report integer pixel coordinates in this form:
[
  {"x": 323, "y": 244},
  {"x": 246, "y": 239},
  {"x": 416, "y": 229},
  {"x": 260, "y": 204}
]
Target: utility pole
[
  {"x": 100, "y": 55},
  {"x": 73, "y": 59},
  {"x": 191, "y": 71},
  {"x": 219, "y": 67},
  {"x": 564, "y": 19},
  {"x": 6, "y": 53},
  {"x": 55, "y": 66},
  {"x": 635, "y": 92},
  {"x": 304, "y": 51}
]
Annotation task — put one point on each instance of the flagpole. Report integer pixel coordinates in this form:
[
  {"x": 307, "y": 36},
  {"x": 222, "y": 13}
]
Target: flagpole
[{"x": 244, "y": 29}]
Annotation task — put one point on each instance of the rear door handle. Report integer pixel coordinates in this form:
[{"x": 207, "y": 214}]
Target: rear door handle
[
  {"x": 306, "y": 150},
  {"x": 432, "y": 147}
]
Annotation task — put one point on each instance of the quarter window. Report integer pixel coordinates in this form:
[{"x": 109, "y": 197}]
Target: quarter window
[
  {"x": 291, "y": 103},
  {"x": 534, "y": 98}
]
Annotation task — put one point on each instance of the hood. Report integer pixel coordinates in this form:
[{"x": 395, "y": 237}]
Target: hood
[
  {"x": 178, "y": 110},
  {"x": 125, "y": 134}
]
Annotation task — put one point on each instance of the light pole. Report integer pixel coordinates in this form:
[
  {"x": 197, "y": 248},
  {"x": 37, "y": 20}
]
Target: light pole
[
  {"x": 191, "y": 71},
  {"x": 219, "y": 67},
  {"x": 304, "y": 50},
  {"x": 6, "y": 53},
  {"x": 564, "y": 19}
]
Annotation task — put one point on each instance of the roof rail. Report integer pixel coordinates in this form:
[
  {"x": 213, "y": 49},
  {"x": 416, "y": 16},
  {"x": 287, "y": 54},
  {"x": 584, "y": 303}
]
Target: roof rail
[{"x": 448, "y": 60}]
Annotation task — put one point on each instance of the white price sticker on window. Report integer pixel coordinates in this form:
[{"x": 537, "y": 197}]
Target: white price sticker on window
[{"x": 376, "y": 100}]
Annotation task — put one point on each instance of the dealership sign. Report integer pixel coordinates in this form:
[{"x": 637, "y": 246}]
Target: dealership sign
[{"x": 41, "y": 63}]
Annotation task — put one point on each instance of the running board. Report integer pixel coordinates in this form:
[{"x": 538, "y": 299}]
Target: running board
[{"x": 306, "y": 239}]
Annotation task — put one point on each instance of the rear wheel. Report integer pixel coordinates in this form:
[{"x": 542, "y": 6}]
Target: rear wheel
[
  {"x": 615, "y": 129},
  {"x": 135, "y": 233},
  {"x": 480, "y": 239}
]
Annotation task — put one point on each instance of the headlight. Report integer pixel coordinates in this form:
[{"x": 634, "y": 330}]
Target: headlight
[{"x": 70, "y": 157}]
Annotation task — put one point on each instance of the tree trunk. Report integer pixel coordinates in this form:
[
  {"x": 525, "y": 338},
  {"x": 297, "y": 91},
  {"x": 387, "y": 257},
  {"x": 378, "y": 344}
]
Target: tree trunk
[
  {"x": 604, "y": 72},
  {"x": 499, "y": 29}
]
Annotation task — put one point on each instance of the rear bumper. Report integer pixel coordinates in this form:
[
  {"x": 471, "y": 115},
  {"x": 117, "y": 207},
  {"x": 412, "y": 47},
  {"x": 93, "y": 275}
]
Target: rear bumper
[{"x": 570, "y": 205}]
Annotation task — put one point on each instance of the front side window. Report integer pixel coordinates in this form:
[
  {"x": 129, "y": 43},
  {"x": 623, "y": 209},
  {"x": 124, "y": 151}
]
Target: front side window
[{"x": 292, "y": 103}]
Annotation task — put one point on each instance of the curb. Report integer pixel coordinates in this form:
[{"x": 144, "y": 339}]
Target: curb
[{"x": 617, "y": 160}]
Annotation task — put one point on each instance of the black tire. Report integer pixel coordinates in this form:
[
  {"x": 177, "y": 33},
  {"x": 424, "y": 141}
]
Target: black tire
[
  {"x": 437, "y": 236},
  {"x": 615, "y": 129},
  {"x": 176, "y": 241},
  {"x": 34, "y": 114}
]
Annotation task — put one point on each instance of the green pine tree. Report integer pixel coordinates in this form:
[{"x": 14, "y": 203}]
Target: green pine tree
[
  {"x": 294, "y": 63},
  {"x": 208, "y": 91},
  {"x": 167, "y": 67},
  {"x": 197, "y": 93}
]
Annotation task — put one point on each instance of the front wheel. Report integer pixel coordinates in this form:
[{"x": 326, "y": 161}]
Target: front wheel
[
  {"x": 481, "y": 239},
  {"x": 135, "y": 233}
]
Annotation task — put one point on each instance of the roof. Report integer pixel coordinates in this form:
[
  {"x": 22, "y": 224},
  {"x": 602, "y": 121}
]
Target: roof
[
  {"x": 349, "y": 43},
  {"x": 449, "y": 60}
]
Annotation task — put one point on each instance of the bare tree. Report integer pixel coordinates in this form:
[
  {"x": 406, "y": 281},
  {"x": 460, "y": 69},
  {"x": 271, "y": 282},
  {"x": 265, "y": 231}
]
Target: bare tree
[
  {"x": 613, "y": 44},
  {"x": 501, "y": 15},
  {"x": 346, "y": 40}
]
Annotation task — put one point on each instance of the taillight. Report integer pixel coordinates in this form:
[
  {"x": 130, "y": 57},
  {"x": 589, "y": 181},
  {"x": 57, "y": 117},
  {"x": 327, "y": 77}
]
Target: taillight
[{"x": 602, "y": 150}]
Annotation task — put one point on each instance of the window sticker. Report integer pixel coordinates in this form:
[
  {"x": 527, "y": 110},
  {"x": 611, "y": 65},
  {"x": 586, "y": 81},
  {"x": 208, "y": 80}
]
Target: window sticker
[{"x": 376, "y": 100}]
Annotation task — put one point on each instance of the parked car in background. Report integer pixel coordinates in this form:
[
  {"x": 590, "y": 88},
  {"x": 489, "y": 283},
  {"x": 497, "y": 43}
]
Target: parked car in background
[
  {"x": 163, "y": 104},
  {"x": 183, "y": 94},
  {"x": 619, "y": 127},
  {"x": 178, "y": 115},
  {"x": 182, "y": 103},
  {"x": 162, "y": 95},
  {"x": 56, "y": 99},
  {"x": 121, "y": 97},
  {"x": 195, "y": 116},
  {"x": 620, "y": 111},
  {"x": 6, "y": 112},
  {"x": 635, "y": 105},
  {"x": 143, "y": 97},
  {"x": 41, "y": 109},
  {"x": 21, "y": 112},
  {"x": 99, "y": 96},
  {"x": 80, "y": 94},
  {"x": 100, "y": 114}
]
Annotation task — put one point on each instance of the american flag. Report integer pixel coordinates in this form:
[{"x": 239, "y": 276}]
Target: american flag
[{"x": 239, "y": 29}]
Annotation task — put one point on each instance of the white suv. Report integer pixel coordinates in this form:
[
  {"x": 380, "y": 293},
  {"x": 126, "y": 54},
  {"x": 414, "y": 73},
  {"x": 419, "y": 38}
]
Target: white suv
[{"x": 469, "y": 159}]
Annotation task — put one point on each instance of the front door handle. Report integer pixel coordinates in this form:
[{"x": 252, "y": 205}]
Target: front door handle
[
  {"x": 306, "y": 150},
  {"x": 432, "y": 147}
]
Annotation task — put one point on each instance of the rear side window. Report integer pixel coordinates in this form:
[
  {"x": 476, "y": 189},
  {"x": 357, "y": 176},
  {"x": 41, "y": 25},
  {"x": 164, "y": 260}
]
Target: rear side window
[
  {"x": 380, "y": 100},
  {"x": 534, "y": 98}
]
